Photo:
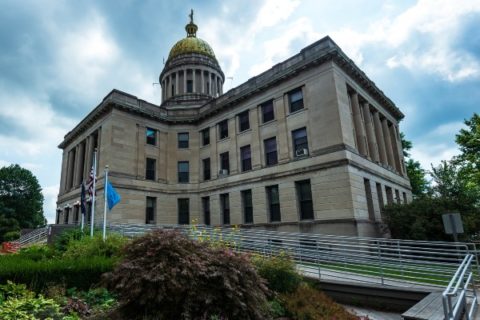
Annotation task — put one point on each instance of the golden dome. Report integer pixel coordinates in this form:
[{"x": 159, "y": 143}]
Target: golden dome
[{"x": 191, "y": 44}]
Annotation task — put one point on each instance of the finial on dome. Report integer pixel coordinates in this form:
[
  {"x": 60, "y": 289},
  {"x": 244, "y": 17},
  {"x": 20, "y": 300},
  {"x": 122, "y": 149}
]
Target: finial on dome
[{"x": 191, "y": 27}]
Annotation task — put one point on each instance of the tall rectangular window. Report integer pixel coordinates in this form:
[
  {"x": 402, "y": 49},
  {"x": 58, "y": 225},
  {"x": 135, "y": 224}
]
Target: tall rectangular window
[
  {"x": 150, "y": 169},
  {"x": 300, "y": 142},
  {"x": 224, "y": 163},
  {"x": 76, "y": 214},
  {"x": 183, "y": 140},
  {"x": 243, "y": 121},
  {"x": 273, "y": 203},
  {"x": 270, "y": 151},
  {"x": 368, "y": 195},
  {"x": 206, "y": 210},
  {"x": 66, "y": 216},
  {"x": 151, "y": 136},
  {"x": 247, "y": 206},
  {"x": 189, "y": 86},
  {"x": 381, "y": 204},
  {"x": 205, "y": 136},
  {"x": 389, "y": 193},
  {"x": 225, "y": 207},
  {"x": 304, "y": 194},
  {"x": 268, "y": 113},
  {"x": 246, "y": 158},
  {"x": 223, "y": 129},
  {"x": 183, "y": 172},
  {"x": 183, "y": 211},
  {"x": 397, "y": 196},
  {"x": 295, "y": 100},
  {"x": 206, "y": 169},
  {"x": 405, "y": 201},
  {"x": 150, "y": 211}
]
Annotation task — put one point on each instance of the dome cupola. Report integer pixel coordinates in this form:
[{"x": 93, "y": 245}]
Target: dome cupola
[{"x": 191, "y": 75}]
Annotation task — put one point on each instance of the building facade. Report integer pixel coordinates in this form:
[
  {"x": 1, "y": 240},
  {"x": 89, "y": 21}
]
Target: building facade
[{"x": 310, "y": 145}]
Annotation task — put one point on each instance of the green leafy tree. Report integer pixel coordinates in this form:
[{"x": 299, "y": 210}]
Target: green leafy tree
[
  {"x": 416, "y": 174},
  {"x": 21, "y": 199},
  {"x": 468, "y": 141}
]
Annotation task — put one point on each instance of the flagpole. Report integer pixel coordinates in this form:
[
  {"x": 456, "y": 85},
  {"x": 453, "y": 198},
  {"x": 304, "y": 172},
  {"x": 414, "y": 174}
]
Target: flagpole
[
  {"x": 92, "y": 221},
  {"x": 105, "y": 196},
  {"x": 81, "y": 223},
  {"x": 82, "y": 206}
]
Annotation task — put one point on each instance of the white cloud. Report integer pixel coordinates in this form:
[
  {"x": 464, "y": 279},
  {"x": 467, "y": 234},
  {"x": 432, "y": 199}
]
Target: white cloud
[{"x": 50, "y": 202}]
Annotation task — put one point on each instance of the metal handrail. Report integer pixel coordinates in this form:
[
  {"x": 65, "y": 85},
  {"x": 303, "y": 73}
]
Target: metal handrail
[
  {"x": 34, "y": 236},
  {"x": 462, "y": 287},
  {"x": 384, "y": 261}
]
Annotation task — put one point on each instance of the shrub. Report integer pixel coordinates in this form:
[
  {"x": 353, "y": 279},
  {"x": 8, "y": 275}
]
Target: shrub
[
  {"x": 93, "y": 247},
  {"x": 279, "y": 271},
  {"x": 307, "y": 303},
  {"x": 61, "y": 241},
  {"x": 37, "y": 275},
  {"x": 164, "y": 275},
  {"x": 37, "y": 252},
  {"x": 11, "y": 235},
  {"x": 22, "y": 304}
]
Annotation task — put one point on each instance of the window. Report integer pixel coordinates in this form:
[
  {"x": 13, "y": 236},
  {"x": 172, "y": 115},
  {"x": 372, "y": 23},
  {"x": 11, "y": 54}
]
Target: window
[
  {"x": 304, "y": 194},
  {"x": 368, "y": 195},
  {"x": 183, "y": 140},
  {"x": 206, "y": 210},
  {"x": 76, "y": 214},
  {"x": 225, "y": 207},
  {"x": 267, "y": 111},
  {"x": 205, "y": 136},
  {"x": 273, "y": 203},
  {"x": 150, "y": 210},
  {"x": 247, "y": 206},
  {"x": 208, "y": 87},
  {"x": 295, "y": 100},
  {"x": 151, "y": 136},
  {"x": 206, "y": 169},
  {"x": 405, "y": 198},
  {"x": 244, "y": 121},
  {"x": 189, "y": 86},
  {"x": 397, "y": 196},
  {"x": 270, "y": 151},
  {"x": 300, "y": 142},
  {"x": 223, "y": 129},
  {"x": 246, "y": 158},
  {"x": 183, "y": 171},
  {"x": 224, "y": 163},
  {"x": 150, "y": 169},
  {"x": 173, "y": 90},
  {"x": 66, "y": 216},
  {"x": 380, "y": 196},
  {"x": 183, "y": 211},
  {"x": 389, "y": 193}
]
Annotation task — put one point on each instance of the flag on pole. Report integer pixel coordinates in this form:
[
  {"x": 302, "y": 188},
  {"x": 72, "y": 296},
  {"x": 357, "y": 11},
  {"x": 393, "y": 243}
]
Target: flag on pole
[
  {"x": 90, "y": 182},
  {"x": 112, "y": 196},
  {"x": 83, "y": 200}
]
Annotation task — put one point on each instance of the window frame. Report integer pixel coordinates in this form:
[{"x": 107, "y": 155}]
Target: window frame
[
  {"x": 225, "y": 208},
  {"x": 247, "y": 206},
  {"x": 298, "y": 104},
  {"x": 269, "y": 159},
  {"x": 223, "y": 129},
  {"x": 205, "y": 136},
  {"x": 189, "y": 88},
  {"x": 272, "y": 112},
  {"x": 183, "y": 176},
  {"x": 181, "y": 214},
  {"x": 305, "y": 201},
  {"x": 244, "y": 121},
  {"x": 246, "y": 163},
  {"x": 206, "y": 210},
  {"x": 183, "y": 143},
  {"x": 225, "y": 161},
  {"x": 150, "y": 171},
  {"x": 299, "y": 145},
  {"x": 274, "y": 213},
  {"x": 207, "y": 174},
  {"x": 153, "y": 140},
  {"x": 153, "y": 212}
]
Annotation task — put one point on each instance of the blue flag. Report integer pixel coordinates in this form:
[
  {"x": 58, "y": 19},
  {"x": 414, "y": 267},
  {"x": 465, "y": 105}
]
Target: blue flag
[{"x": 112, "y": 196}]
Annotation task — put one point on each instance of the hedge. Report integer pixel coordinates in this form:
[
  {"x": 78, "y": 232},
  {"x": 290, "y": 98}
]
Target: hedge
[{"x": 38, "y": 275}]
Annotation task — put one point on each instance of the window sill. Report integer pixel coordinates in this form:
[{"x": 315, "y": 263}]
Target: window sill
[
  {"x": 204, "y": 146},
  {"x": 224, "y": 139},
  {"x": 297, "y": 112},
  {"x": 268, "y": 123},
  {"x": 244, "y": 131}
]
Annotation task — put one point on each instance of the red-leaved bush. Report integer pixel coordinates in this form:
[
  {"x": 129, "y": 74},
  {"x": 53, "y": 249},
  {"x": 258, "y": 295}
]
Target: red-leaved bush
[{"x": 164, "y": 275}]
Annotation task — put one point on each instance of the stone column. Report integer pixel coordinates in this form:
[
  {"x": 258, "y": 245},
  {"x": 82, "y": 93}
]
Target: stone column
[
  {"x": 388, "y": 143},
  {"x": 70, "y": 170},
  {"x": 371, "y": 139},
  {"x": 255, "y": 148},
  {"x": 380, "y": 139},
  {"x": 81, "y": 162},
  {"x": 194, "y": 82},
  {"x": 398, "y": 150},
  {"x": 202, "y": 78},
  {"x": 358, "y": 123},
  {"x": 177, "y": 75},
  {"x": 283, "y": 147},
  {"x": 213, "y": 86},
  {"x": 86, "y": 157},
  {"x": 184, "y": 81}
]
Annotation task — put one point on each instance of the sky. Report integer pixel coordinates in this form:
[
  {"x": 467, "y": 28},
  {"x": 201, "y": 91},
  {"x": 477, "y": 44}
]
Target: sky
[{"x": 58, "y": 59}]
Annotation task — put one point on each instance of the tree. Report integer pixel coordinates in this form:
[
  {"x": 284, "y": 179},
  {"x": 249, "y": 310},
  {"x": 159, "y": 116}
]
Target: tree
[
  {"x": 468, "y": 141},
  {"x": 415, "y": 173},
  {"x": 21, "y": 197}
]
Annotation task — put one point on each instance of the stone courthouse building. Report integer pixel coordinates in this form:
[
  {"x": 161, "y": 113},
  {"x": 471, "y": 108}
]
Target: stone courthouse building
[{"x": 310, "y": 145}]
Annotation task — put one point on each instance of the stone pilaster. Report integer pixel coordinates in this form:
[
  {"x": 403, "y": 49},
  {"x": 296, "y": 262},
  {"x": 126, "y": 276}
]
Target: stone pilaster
[
  {"x": 388, "y": 143},
  {"x": 359, "y": 126},
  {"x": 380, "y": 139},
  {"x": 369, "y": 128}
]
